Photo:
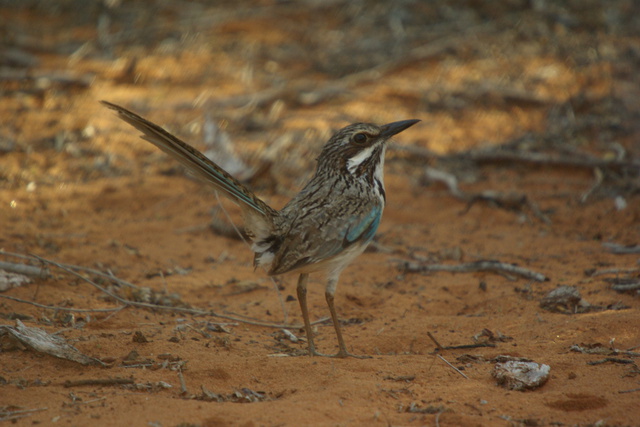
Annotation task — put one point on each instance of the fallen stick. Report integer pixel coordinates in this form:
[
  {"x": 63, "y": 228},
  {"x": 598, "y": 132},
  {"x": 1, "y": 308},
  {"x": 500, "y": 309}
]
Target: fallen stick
[
  {"x": 13, "y": 416},
  {"x": 57, "y": 308},
  {"x": 583, "y": 161},
  {"x": 452, "y": 367},
  {"x": 27, "y": 270},
  {"x": 510, "y": 201},
  {"x": 458, "y": 347},
  {"x": 98, "y": 381},
  {"x": 612, "y": 360},
  {"x": 618, "y": 249},
  {"x": 109, "y": 276},
  {"x": 70, "y": 269},
  {"x": 469, "y": 267}
]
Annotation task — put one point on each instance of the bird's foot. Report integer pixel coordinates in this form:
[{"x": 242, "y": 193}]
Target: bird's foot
[{"x": 342, "y": 354}]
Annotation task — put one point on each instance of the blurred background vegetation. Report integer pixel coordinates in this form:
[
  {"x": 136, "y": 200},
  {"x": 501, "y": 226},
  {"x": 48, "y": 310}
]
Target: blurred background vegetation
[{"x": 281, "y": 75}]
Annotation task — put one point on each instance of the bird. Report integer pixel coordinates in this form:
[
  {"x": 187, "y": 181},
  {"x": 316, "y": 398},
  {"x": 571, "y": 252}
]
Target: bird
[{"x": 324, "y": 227}]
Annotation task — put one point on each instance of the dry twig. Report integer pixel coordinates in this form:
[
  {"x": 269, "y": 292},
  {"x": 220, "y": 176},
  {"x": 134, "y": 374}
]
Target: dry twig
[
  {"x": 27, "y": 270},
  {"x": 183, "y": 383},
  {"x": 458, "y": 347},
  {"x": 511, "y": 201},
  {"x": 57, "y": 308},
  {"x": 125, "y": 302},
  {"x": 579, "y": 161},
  {"x": 616, "y": 271},
  {"x": 496, "y": 266},
  {"x": 98, "y": 381},
  {"x": 616, "y": 248},
  {"x": 611, "y": 360},
  {"x": 633, "y": 390},
  {"x": 452, "y": 367},
  {"x": 6, "y": 414},
  {"x": 435, "y": 341},
  {"x": 43, "y": 342}
]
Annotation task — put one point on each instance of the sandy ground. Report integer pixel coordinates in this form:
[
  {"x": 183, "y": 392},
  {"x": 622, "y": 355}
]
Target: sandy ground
[{"x": 78, "y": 187}]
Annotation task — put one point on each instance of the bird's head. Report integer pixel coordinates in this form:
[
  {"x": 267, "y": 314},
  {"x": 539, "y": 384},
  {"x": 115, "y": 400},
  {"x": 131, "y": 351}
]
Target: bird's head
[{"x": 358, "y": 149}]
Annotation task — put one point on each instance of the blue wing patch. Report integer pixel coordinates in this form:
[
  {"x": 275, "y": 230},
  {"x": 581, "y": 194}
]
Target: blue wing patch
[{"x": 365, "y": 228}]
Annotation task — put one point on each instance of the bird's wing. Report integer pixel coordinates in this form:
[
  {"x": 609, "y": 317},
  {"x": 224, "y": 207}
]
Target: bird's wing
[
  {"x": 362, "y": 229},
  {"x": 326, "y": 241}
]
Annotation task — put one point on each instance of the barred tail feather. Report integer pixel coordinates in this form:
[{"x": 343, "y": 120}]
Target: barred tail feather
[{"x": 196, "y": 162}]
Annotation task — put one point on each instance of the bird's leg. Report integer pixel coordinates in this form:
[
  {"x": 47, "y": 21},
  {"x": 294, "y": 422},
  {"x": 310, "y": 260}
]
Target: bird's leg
[
  {"x": 329, "y": 295},
  {"x": 302, "y": 299}
]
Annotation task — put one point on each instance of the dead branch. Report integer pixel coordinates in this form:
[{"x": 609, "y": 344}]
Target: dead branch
[
  {"x": 452, "y": 367},
  {"x": 435, "y": 341},
  {"x": 91, "y": 282},
  {"x": 43, "y": 342},
  {"x": 125, "y": 302},
  {"x": 448, "y": 179},
  {"x": 45, "y": 79},
  {"x": 458, "y": 347},
  {"x": 622, "y": 285},
  {"x": 633, "y": 390},
  {"x": 606, "y": 351},
  {"x": 27, "y": 270},
  {"x": 8, "y": 415},
  {"x": 502, "y": 155},
  {"x": 616, "y": 271},
  {"x": 618, "y": 249},
  {"x": 109, "y": 275},
  {"x": 183, "y": 383},
  {"x": 510, "y": 153},
  {"x": 57, "y": 308},
  {"x": 468, "y": 346},
  {"x": 510, "y": 201},
  {"x": 583, "y": 161},
  {"x": 472, "y": 267},
  {"x": 98, "y": 381},
  {"x": 612, "y": 360},
  {"x": 597, "y": 183}
]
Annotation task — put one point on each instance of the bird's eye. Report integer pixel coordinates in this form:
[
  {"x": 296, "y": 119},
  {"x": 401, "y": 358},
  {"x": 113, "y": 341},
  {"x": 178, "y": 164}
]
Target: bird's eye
[{"x": 360, "y": 138}]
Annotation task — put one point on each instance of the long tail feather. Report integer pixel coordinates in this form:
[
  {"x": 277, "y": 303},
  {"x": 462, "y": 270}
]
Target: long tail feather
[{"x": 196, "y": 162}]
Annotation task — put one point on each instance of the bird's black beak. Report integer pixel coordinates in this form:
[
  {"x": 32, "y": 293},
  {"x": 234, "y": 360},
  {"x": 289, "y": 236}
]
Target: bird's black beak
[{"x": 395, "y": 128}]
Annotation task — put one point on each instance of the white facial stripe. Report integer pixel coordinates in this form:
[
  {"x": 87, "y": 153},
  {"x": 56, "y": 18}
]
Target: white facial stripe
[{"x": 355, "y": 161}]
